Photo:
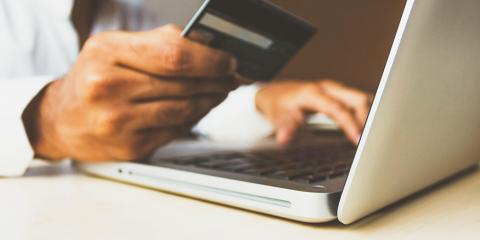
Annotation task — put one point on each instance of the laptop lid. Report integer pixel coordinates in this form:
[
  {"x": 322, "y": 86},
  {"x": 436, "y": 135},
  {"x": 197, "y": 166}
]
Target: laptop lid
[{"x": 425, "y": 121}]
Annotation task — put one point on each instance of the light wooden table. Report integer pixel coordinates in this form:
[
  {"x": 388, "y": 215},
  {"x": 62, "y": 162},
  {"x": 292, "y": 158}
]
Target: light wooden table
[{"x": 56, "y": 202}]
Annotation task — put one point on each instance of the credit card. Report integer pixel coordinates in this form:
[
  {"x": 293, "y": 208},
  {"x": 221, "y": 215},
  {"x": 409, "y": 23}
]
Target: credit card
[{"x": 262, "y": 36}]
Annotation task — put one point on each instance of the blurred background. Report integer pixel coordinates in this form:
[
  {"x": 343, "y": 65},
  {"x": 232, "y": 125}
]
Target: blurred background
[{"x": 351, "y": 45}]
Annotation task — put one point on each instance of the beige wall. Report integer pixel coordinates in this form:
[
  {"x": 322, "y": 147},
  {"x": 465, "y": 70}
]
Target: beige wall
[{"x": 352, "y": 42}]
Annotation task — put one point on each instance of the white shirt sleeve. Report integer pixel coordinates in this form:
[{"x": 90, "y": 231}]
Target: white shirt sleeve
[
  {"x": 37, "y": 44},
  {"x": 236, "y": 119},
  {"x": 15, "y": 150}
]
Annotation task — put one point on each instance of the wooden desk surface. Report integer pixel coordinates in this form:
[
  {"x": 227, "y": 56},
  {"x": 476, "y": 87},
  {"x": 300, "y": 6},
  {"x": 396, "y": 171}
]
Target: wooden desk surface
[{"x": 56, "y": 202}]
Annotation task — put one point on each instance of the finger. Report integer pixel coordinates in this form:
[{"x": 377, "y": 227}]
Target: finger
[
  {"x": 168, "y": 113},
  {"x": 202, "y": 37},
  {"x": 128, "y": 84},
  {"x": 335, "y": 110},
  {"x": 287, "y": 127},
  {"x": 355, "y": 99},
  {"x": 164, "y": 52}
]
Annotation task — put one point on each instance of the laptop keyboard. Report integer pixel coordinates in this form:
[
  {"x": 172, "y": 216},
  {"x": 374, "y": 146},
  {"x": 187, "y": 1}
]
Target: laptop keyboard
[{"x": 308, "y": 165}]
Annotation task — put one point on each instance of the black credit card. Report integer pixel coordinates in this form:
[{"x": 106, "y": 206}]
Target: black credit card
[{"x": 262, "y": 36}]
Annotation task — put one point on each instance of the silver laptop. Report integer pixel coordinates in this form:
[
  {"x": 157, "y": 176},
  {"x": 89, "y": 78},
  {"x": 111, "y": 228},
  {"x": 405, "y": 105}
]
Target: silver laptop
[{"x": 424, "y": 126}]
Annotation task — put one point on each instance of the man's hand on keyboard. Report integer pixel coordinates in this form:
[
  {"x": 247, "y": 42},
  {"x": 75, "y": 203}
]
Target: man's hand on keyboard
[{"x": 286, "y": 103}]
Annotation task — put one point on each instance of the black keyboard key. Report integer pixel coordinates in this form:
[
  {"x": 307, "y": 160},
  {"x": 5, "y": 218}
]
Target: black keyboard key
[
  {"x": 260, "y": 171},
  {"x": 213, "y": 164},
  {"x": 312, "y": 178},
  {"x": 294, "y": 173},
  {"x": 292, "y": 165},
  {"x": 305, "y": 179},
  {"x": 323, "y": 168},
  {"x": 236, "y": 167},
  {"x": 337, "y": 174},
  {"x": 318, "y": 179},
  {"x": 309, "y": 165},
  {"x": 279, "y": 174},
  {"x": 288, "y": 174},
  {"x": 341, "y": 166},
  {"x": 190, "y": 160}
]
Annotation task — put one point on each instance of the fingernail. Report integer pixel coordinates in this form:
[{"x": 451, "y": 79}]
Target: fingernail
[
  {"x": 281, "y": 140},
  {"x": 283, "y": 136},
  {"x": 233, "y": 65}
]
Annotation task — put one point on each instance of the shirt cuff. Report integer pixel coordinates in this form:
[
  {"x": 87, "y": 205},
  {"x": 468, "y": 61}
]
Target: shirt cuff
[
  {"x": 15, "y": 150},
  {"x": 236, "y": 119}
]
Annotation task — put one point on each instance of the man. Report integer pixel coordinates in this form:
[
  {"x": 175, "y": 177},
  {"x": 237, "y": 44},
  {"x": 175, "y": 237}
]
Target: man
[{"x": 84, "y": 80}]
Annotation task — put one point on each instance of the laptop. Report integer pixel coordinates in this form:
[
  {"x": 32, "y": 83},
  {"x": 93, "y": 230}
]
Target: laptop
[{"x": 424, "y": 126}]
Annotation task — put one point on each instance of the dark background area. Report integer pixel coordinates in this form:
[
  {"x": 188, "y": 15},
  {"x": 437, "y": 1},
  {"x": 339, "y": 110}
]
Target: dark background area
[{"x": 353, "y": 39}]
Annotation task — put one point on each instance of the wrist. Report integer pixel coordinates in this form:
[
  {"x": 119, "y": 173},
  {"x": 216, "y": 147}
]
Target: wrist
[{"x": 40, "y": 126}]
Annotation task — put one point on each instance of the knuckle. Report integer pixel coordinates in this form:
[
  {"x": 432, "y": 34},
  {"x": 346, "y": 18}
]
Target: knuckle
[
  {"x": 92, "y": 90},
  {"x": 92, "y": 44},
  {"x": 326, "y": 83},
  {"x": 172, "y": 28},
  {"x": 110, "y": 124},
  {"x": 175, "y": 58},
  {"x": 97, "y": 42},
  {"x": 100, "y": 47},
  {"x": 97, "y": 87},
  {"x": 309, "y": 89}
]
